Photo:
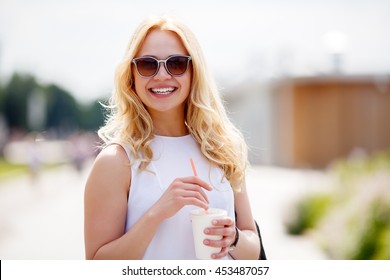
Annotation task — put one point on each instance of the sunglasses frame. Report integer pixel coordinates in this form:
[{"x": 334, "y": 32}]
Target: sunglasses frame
[{"x": 159, "y": 61}]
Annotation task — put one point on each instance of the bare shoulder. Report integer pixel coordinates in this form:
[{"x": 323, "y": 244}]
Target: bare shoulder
[
  {"x": 111, "y": 168},
  {"x": 114, "y": 153}
]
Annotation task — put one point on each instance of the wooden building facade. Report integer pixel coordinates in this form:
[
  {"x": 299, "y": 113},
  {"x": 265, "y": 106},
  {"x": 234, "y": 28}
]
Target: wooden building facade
[{"x": 317, "y": 120}]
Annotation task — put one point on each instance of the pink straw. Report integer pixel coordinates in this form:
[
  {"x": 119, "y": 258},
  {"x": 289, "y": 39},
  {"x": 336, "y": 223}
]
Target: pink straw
[
  {"x": 196, "y": 174},
  {"x": 193, "y": 167}
]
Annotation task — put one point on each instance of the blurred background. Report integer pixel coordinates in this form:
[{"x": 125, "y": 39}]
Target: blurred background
[{"x": 307, "y": 82}]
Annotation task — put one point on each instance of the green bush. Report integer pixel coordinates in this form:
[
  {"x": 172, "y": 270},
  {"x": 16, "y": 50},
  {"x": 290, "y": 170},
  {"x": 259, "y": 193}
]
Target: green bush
[
  {"x": 309, "y": 212},
  {"x": 353, "y": 221},
  {"x": 373, "y": 238}
]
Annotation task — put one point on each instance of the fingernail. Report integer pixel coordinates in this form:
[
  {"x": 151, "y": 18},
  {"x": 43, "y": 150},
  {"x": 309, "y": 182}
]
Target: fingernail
[
  {"x": 206, "y": 230},
  {"x": 206, "y": 242},
  {"x": 215, "y": 222}
]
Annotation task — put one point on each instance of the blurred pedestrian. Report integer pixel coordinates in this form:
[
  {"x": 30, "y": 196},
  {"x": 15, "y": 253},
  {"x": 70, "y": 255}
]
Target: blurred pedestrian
[{"x": 34, "y": 156}]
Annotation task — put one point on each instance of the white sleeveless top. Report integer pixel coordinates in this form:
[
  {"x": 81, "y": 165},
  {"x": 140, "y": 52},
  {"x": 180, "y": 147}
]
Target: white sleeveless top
[{"x": 173, "y": 239}]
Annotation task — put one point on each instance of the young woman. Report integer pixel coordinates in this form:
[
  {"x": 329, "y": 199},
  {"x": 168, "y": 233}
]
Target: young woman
[{"x": 165, "y": 109}]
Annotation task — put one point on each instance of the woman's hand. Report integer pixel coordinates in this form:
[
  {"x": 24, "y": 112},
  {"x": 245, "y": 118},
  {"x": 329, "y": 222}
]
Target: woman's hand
[
  {"x": 182, "y": 192},
  {"x": 225, "y": 227}
]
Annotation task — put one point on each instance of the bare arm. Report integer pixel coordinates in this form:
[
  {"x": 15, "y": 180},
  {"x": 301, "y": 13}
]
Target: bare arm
[
  {"x": 105, "y": 205},
  {"x": 248, "y": 246}
]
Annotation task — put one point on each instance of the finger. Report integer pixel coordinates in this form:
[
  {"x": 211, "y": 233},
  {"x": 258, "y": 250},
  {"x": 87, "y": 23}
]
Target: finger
[
  {"x": 224, "y": 242},
  {"x": 197, "y": 195},
  {"x": 197, "y": 181},
  {"x": 222, "y": 254},
  {"x": 224, "y": 231},
  {"x": 196, "y": 188},
  {"x": 178, "y": 187},
  {"x": 195, "y": 201},
  {"x": 227, "y": 221},
  {"x": 180, "y": 194}
]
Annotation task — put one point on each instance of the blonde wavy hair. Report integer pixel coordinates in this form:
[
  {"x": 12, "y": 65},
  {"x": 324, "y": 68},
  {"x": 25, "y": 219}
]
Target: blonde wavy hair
[{"x": 129, "y": 122}]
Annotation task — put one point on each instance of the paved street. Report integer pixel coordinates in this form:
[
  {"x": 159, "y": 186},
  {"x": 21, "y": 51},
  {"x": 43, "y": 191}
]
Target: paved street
[
  {"x": 273, "y": 192},
  {"x": 44, "y": 219}
]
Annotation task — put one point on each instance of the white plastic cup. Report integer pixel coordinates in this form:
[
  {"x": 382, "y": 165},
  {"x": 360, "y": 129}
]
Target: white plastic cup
[{"x": 202, "y": 219}]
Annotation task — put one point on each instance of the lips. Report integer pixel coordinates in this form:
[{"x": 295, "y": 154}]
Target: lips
[{"x": 162, "y": 90}]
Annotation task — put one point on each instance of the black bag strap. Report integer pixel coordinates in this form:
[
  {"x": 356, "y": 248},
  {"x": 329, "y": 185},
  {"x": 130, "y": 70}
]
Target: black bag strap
[{"x": 262, "y": 255}]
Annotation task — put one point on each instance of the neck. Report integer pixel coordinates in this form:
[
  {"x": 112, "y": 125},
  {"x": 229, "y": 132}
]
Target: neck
[
  {"x": 169, "y": 124},
  {"x": 174, "y": 132}
]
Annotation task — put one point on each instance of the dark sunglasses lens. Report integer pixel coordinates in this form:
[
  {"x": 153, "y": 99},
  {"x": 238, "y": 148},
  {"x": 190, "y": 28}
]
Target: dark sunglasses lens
[
  {"x": 147, "y": 66},
  {"x": 177, "y": 65}
]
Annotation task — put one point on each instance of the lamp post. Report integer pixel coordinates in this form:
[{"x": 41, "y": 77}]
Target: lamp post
[{"x": 335, "y": 43}]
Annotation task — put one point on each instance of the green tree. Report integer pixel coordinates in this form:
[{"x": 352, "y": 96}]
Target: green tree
[
  {"x": 14, "y": 100},
  {"x": 62, "y": 113},
  {"x": 62, "y": 110},
  {"x": 91, "y": 116}
]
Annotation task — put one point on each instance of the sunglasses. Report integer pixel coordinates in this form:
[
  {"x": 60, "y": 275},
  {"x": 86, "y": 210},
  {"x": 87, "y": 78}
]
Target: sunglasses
[{"x": 148, "y": 66}]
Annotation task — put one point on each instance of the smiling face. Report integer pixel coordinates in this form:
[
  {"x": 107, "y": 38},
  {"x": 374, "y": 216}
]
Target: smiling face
[{"x": 163, "y": 93}]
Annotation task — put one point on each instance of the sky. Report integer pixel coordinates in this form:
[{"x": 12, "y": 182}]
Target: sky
[{"x": 78, "y": 43}]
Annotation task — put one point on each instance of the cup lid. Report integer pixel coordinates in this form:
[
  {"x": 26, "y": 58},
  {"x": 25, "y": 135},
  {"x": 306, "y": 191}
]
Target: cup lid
[{"x": 210, "y": 211}]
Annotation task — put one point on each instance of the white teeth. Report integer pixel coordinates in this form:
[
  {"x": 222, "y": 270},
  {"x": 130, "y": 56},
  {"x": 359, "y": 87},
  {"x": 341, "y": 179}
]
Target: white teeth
[{"x": 162, "y": 90}]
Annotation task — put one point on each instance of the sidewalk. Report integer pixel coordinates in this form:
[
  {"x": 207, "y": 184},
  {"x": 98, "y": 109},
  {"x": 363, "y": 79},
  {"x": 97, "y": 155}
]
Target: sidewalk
[
  {"x": 273, "y": 192},
  {"x": 45, "y": 220}
]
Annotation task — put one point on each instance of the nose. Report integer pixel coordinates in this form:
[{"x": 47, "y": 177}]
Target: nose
[{"x": 162, "y": 73}]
